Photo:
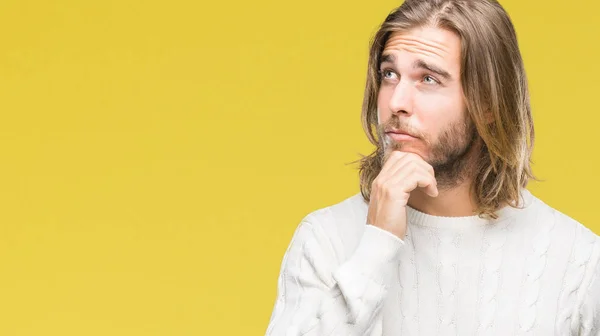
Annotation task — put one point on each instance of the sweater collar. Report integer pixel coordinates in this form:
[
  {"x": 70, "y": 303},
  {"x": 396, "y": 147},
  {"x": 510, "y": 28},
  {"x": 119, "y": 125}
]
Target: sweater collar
[{"x": 417, "y": 217}]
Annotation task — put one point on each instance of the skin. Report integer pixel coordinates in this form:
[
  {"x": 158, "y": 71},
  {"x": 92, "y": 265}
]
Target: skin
[{"x": 421, "y": 94}]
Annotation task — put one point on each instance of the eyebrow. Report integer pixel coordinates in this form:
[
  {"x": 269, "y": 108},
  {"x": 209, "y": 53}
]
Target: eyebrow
[
  {"x": 388, "y": 58},
  {"x": 419, "y": 64}
]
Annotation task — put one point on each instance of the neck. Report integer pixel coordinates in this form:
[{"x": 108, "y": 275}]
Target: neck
[
  {"x": 455, "y": 198},
  {"x": 456, "y": 202}
]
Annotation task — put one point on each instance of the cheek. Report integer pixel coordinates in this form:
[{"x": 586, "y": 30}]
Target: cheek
[
  {"x": 383, "y": 98},
  {"x": 436, "y": 112}
]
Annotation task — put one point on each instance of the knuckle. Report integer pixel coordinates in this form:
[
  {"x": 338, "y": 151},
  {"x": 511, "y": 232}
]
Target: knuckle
[
  {"x": 415, "y": 157},
  {"x": 387, "y": 191},
  {"x": 375, "y": 184}
]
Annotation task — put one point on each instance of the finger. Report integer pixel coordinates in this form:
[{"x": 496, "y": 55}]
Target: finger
[
  {"x": 429, "y": 186},
  {"x": 392, "y": 159},
  {"x": 410, "y": 180},
  {"x": 397, "y": 163},
  {"x": 404, "y": 162},
  {"x": 395, "y": 158}
]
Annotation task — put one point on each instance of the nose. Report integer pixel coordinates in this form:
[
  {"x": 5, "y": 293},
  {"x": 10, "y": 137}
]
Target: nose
[{"x": 401, "y": 101}]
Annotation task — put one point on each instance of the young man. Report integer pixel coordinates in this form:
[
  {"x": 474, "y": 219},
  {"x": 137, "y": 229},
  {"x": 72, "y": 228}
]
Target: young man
[{"x": 443, "y": 239}]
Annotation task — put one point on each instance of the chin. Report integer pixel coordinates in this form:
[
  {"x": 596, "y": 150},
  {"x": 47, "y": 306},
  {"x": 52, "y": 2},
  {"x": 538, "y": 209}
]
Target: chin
[{"x": 409, "y": 149}]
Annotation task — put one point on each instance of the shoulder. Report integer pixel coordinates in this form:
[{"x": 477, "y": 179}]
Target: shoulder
[
  {"x": 340, "y": 224},
  {"x": 582, "y": 269},
  {"x": 565, "y": 226},
  {"x": 562, "y": 227},
  {"x": 569, "y": 237},
  {"x": 553, "y": 234},
  {"x": 347, "y": 210}
]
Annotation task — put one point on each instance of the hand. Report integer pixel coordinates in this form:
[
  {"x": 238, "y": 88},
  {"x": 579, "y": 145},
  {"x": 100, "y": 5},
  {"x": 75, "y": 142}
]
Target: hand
[{"x": 401, "y": 173}]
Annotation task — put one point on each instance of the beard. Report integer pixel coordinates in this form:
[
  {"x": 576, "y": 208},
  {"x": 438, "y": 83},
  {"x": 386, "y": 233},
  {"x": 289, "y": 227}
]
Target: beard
[{"x": 449, "y": 154}]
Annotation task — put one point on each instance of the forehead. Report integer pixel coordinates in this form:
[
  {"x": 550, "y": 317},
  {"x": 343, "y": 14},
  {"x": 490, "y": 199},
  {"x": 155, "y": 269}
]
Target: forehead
[{"x": 431, "y": 44}]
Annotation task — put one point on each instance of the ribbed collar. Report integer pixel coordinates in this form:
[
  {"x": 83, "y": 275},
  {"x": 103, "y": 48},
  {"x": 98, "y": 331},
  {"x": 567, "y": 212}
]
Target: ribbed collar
[{"x": 417, "y": 217}]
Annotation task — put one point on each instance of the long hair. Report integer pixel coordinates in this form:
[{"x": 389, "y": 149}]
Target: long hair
[{"x": 494, "y": 85}]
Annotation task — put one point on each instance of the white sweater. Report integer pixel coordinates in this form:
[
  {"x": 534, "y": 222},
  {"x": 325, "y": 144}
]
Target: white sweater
[{"x": 533, "y": 271}]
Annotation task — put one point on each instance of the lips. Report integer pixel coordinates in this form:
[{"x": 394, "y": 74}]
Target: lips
[{"x": 400, "y": 132}]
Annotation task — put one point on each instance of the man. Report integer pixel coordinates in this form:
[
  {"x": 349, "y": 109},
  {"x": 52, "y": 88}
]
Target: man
[{"x": 443, "y": 239}]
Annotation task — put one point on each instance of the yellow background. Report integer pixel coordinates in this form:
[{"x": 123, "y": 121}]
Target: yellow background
[{"x": 156, "y": 156}]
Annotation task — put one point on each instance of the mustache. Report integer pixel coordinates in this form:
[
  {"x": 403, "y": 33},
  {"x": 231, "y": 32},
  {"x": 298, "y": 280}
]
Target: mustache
[{"x": 397, "y": 125}]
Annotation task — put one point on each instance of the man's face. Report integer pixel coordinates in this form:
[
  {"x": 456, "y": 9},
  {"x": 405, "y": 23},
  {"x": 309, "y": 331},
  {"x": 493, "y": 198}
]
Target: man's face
[{"x": 421, "y": 94}]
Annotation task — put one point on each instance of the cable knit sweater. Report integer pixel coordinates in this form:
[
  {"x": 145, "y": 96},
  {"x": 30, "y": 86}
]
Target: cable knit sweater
[{"x": 533, "y": 271}]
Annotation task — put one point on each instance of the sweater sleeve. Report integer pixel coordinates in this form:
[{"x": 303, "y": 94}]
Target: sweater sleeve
[
  {"x": 319, "y": 295},
  {"x": 590, "y": 309}
]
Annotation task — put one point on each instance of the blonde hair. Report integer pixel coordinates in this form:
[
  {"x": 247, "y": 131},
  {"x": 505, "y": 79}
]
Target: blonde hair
[{"x": 494, "y": 85}]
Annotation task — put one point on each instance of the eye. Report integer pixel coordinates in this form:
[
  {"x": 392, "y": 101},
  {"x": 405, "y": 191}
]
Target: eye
[
  {"x": 387, "y": 74},
  {"x": 430, "y": 80}
]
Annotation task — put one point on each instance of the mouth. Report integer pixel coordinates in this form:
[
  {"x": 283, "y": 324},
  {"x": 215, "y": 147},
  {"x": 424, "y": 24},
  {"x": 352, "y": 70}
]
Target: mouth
[{"x": 401, "y": 136}]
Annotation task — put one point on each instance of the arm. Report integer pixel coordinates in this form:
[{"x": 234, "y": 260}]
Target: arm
[
  {"x": 319, "y": 295},
  {"x": 590, "y": 308}
]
